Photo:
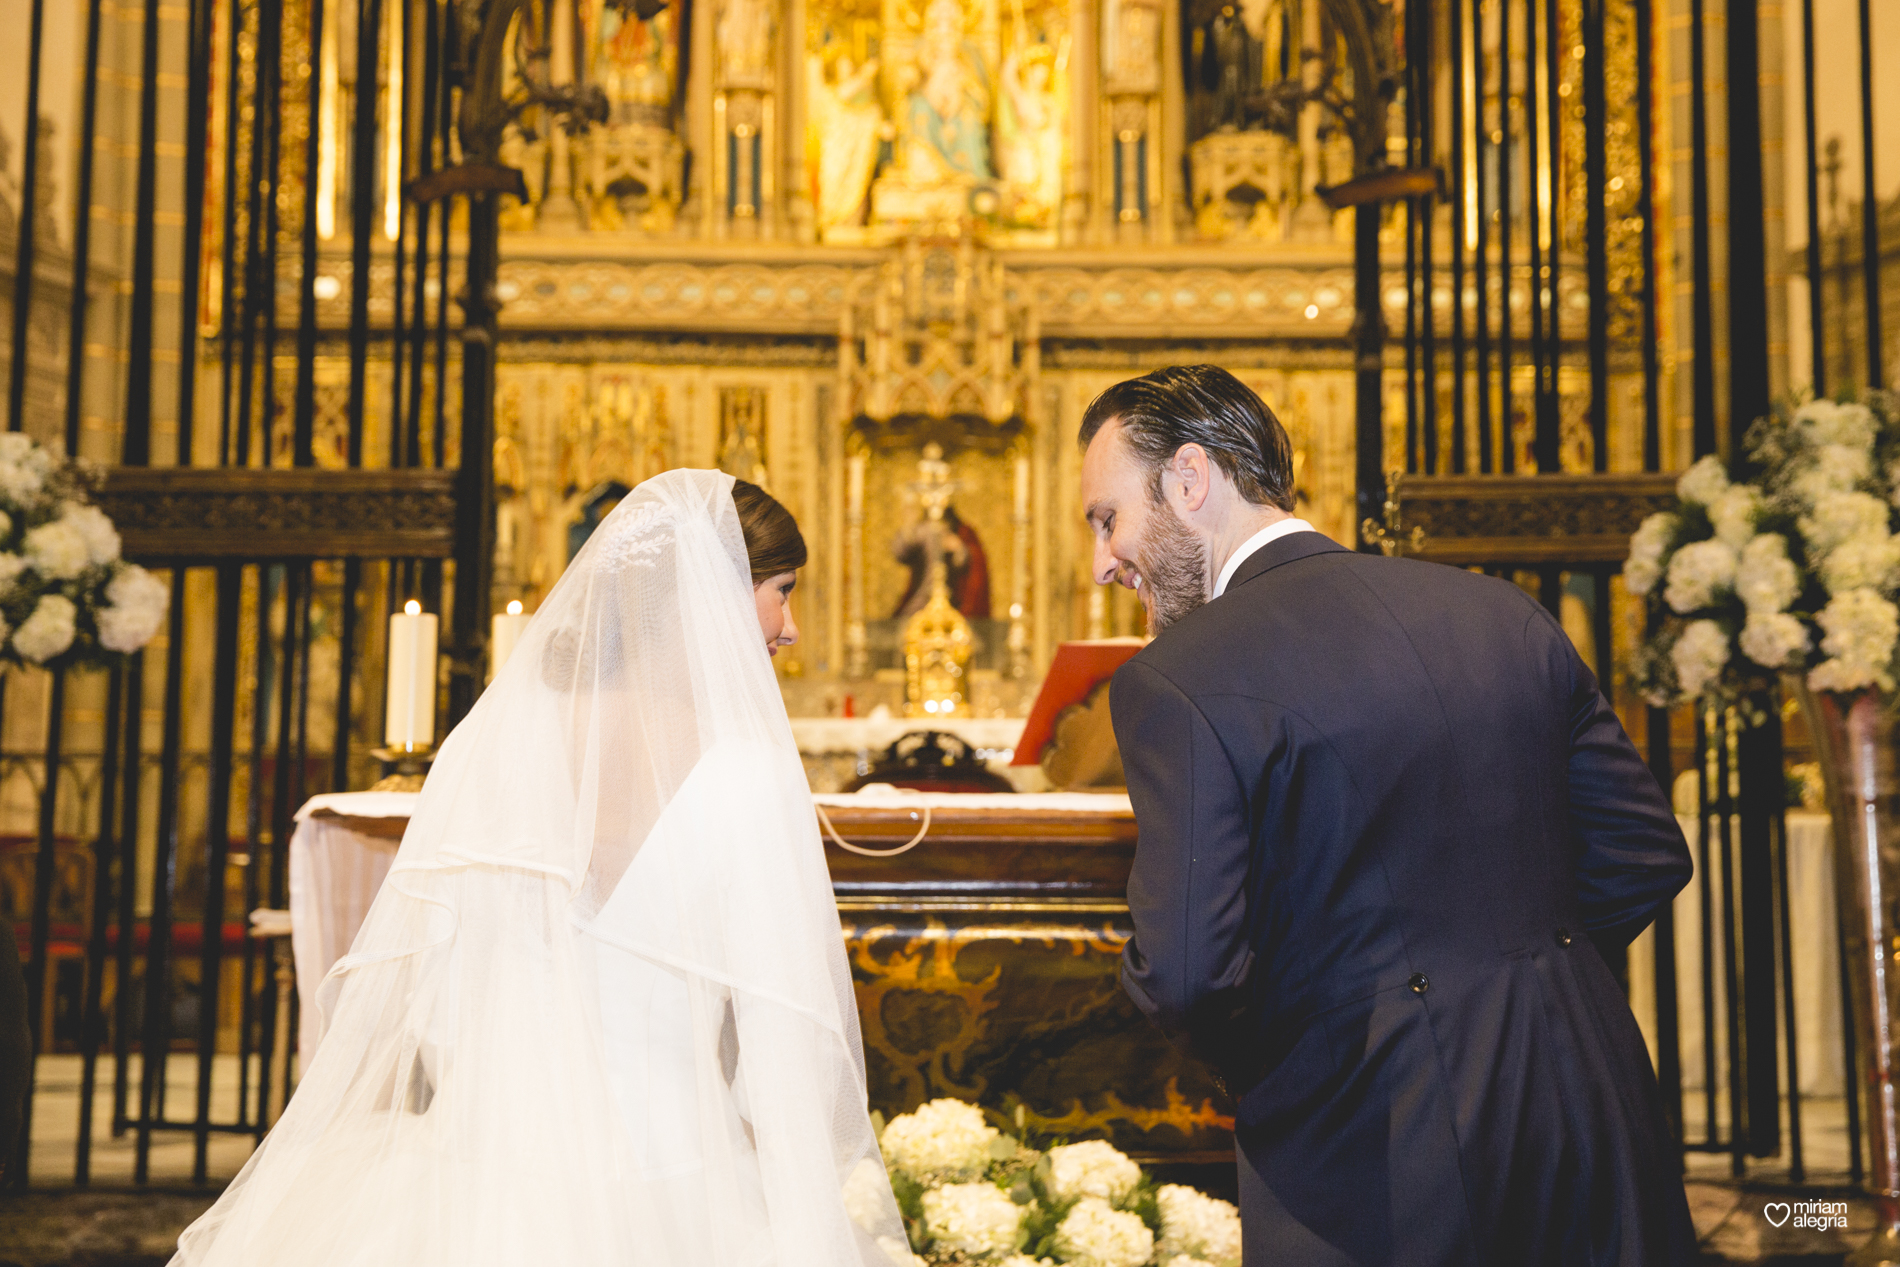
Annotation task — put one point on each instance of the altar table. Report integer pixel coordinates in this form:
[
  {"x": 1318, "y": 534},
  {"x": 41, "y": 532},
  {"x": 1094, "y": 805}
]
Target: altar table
[{"x": 986, "y": 958}]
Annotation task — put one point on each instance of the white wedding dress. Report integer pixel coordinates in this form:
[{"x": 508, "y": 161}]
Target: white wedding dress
[{"x": 599, "y": 1014}]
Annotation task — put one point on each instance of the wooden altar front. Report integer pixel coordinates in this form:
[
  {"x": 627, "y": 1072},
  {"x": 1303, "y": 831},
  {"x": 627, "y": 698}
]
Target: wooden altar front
[{"x": 986, "y": 963}]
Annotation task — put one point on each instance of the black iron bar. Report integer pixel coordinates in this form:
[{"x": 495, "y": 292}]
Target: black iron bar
[
  {"x": 156, "y": 1036},
  {"x": 229, "y": 317},
  {"x": 369, "y": 23},
  {"x": 1705, "y": 892},
  {"x": 295, "y": 582},
  {"x": 265, "y": 581},
  {"x": 1646, "y": 165},
  {"x": 303, "y": 423},
  {"x": 1548, "y": 422},
  {"x": 1596, "y": 231},
  {"x": 123, "y": 994},
  {"x": 346, "y": 662},
  {"x": 1481, "y": 272},
  {"x": 1534, "y": 225},
  {"x": 1507, "y": 438},
  {"x": 45, "y": 867},
  {"x": 24, "y": 247},
  {"x": 1428, "y": 284},
  {"x": 475, "y": 483},
  {"x": 197, "y": 120},
  {"x": 1460, "y": 160},
  {"x": 258, "y": 287},
  {"x": 92, "y": 1014},
  {"x": 224, "y": 662},
  {"x": 1702, "y": 274},
  {"x": 396, "y": 124},
  {"x": 445, "y": 130},
  {"x": 419, "y": 321},
  {"x": 82, "y": 239},
  {"x": 138, "y": 376},
  {"x": 1731, "y": 967},
  {"x": 1797, "y": 1170},
  {"x": 1817, "y": 316},
  {"x": 270, "y": 59},
  {"x": 1747, "y": 240},
  {"x": 1870, "y": 208}
]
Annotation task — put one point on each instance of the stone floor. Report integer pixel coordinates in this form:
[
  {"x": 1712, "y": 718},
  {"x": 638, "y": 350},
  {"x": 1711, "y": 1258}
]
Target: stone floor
[
  {"x": 120, "y": 1228},
  {"x": 1761, "y": 1218}
]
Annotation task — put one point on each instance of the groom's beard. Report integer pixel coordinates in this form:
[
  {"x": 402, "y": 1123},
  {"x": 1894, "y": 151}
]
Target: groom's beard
[{"x": 1172, "y": 562}]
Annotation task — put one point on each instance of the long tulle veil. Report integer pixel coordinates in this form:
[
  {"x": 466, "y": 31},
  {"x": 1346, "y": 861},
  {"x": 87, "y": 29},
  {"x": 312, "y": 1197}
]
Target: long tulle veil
[{"x": 623, "y": 805}]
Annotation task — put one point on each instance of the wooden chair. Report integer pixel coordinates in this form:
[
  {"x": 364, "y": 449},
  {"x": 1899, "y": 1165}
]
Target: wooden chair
[{"x": 70, "y": 912}]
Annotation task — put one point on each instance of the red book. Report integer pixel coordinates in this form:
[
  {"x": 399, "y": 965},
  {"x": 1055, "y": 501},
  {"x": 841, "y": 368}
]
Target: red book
[{"x": 1079, "y": 667}]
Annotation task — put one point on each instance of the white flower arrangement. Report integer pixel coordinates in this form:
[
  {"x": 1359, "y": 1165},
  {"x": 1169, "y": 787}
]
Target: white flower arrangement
[
  {"x": 1096, "y": 1234},
  {"x": 1796, "y": 570},
  {"x": 1085, "y": 1204},
  {"x": 1197, "y": 1228},
  {"x": 1093, "y": 1168},
  {"x": 944, "y": 1140},
  {"x": 66, "y": 596},
  {"x": 1698, "y": 573},
  {"x": 973, "y": 1218}
]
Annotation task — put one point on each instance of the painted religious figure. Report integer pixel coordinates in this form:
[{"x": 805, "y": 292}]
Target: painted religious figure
[
  {"x": 1029, "y": 130},
  {"x": 967, "y": 568},
  {"x": 635, "y": 61},
  {"x": 947, "y": 107},
  {"x": 746, "y": 32},
  {"x": 847, "y": 127}
]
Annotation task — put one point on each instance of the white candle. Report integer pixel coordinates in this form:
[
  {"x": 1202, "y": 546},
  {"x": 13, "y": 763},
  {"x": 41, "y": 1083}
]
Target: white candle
[
  {"x": 1022, "y": 486},
  {"x": 854, "y": 491},
  {"x": 505, "y": 630},
  {"x": 411, "y": 708}
]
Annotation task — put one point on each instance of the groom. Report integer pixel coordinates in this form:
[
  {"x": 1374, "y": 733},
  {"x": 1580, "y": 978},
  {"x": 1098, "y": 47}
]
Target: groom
[{"x": 1387, "y": 820}]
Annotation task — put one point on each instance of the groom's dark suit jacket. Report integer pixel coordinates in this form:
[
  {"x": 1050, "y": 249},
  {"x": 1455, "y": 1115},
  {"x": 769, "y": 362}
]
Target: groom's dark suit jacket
[{"x": 1385, "y": 813}]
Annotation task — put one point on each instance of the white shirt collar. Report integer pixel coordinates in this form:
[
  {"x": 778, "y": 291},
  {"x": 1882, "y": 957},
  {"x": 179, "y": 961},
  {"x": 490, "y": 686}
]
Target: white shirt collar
[{"x": 1272, "y": 532}]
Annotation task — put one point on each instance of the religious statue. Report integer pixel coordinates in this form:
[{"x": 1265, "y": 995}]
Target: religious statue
[
  {"x": 1230, "y": 69},
  {"x": 937, "y": 638},
  {"x": 745, "y": 36},
  {"x": 847, "y": 126},
  {"x": 941, "y": 538},
  {"x": 1029, "y": 128},
  {"x": 947, "y": 106}
]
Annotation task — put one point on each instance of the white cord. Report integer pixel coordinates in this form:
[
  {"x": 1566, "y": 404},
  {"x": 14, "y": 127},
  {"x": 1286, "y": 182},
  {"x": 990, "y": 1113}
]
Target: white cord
[{"x": 842, "y": 843}]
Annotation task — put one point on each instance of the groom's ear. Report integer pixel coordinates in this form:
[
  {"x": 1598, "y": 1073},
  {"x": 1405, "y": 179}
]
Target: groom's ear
[{"x": 1193, "y": 474}]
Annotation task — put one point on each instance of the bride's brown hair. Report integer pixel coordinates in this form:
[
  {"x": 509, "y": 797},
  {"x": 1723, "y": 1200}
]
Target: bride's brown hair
[{"x": 773, "y": 543}]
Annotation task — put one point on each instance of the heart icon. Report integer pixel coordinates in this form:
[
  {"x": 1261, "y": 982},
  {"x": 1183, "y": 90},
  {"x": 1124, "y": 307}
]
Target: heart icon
[{"x": 1776, "y": 1212}]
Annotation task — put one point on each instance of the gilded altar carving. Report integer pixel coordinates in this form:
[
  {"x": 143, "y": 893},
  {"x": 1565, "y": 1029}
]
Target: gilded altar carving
[{"x": 1023, "y": 1005}]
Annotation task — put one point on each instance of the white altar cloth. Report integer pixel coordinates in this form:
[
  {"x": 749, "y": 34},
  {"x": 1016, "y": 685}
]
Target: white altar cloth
[
  {"x": 1817, "y": 981},
  {"x": 335, "y": 871}
]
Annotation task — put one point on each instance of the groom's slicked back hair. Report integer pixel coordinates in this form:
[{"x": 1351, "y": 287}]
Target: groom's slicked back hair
[{"x": 1204, "y": 405}]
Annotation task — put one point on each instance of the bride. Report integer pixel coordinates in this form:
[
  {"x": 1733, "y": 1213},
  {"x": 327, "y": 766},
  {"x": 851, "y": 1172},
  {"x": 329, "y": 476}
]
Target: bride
[{"x": 599, "y": 1014}]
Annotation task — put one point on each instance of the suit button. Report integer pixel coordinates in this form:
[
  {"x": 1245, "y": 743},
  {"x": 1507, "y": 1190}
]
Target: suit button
[
  {"x": 1419, "y": 983},
  {"x": 1563, "y": 937}
]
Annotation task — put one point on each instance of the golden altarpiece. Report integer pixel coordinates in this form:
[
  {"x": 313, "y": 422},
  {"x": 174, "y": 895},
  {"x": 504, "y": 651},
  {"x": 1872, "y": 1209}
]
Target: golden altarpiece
[{"x": 814, "y": 237}]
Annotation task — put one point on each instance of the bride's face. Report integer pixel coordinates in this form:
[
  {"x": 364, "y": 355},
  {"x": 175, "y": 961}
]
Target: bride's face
[{"x": 773, "y": 596}]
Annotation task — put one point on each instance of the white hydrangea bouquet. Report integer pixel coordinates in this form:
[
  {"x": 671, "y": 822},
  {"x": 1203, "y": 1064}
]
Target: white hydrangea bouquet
[
  {"x": 973, "y": 1193},
  {"x": 1794, "y": 572},
  {"x": 66, "y": 597}
]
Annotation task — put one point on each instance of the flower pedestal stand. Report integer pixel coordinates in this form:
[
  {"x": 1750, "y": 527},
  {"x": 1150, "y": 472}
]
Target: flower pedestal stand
[{"x": 1855, "y": 739}]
